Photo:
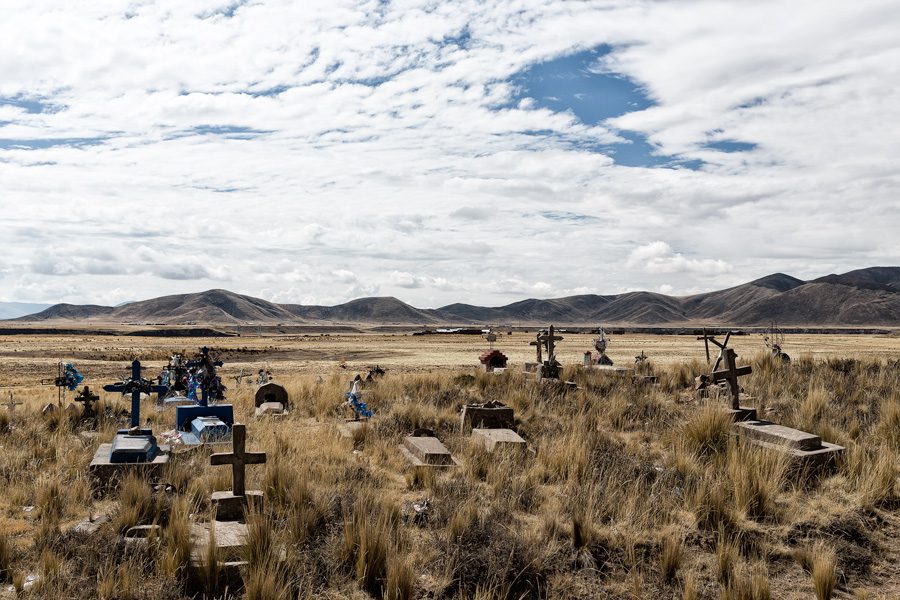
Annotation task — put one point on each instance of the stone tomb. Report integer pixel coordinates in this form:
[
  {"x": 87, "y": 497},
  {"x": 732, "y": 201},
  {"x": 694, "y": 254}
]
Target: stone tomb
[
  {"x": 427, "y": 451},
  {"x": 133, "y": 449},
  {"x": 204, "y": 424},
  {"x": 490, "y": 415},
  {"x": 271, "y": 399},
  {"x": 806, "y": 448},
  {"x": 491, "y": 439}
]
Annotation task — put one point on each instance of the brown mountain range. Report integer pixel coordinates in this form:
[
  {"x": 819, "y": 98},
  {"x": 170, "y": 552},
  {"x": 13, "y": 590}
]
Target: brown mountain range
[{"x": 866, "y": 297}]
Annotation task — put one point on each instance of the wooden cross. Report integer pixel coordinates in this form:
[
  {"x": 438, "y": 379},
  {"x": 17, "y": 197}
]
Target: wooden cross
[
  {"x": 135, "y": 386},
  {"x": 707, "y": 338},
  {"x": 546, "y": 339},
  {"x": 238, "y": 458},
  {"x": 12, "y": 404},
  {"x": 87, "y": 398},
  {"x": 731, "y": 374}
]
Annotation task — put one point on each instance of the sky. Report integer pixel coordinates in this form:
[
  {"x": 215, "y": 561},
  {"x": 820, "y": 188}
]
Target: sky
[{"x": 454, "y": 151}]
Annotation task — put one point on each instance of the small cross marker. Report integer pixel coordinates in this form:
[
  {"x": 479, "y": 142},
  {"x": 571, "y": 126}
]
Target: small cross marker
[{"x": 12, "y": 404}]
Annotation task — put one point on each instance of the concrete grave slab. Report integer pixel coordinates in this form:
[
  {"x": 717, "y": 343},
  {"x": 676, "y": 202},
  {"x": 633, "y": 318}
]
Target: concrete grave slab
[
  {"x": 491, "y": 439},
  {"x": 427, "y": 452},
  {"x": 230, "y": 507},
  {"x": 492, "y": 415},
  {"x": 807, "y": 448},
  {"x": 106, "y": 472}
]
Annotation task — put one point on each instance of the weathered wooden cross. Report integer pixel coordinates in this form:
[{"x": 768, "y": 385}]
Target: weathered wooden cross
[
  {"x": 546, "y": 339},
  {"x": 135, "y": 386},
  {"x": 707, "y": 338},
  {"x": 12, "y": 404},
  {"x": 238, "y": 458},
  {"x": 87, "y": 398},
  {"x": 731, "y": 374}
]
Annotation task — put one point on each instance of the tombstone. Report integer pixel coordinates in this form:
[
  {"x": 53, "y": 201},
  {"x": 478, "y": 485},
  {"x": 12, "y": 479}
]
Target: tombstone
[
  {"x": 204, "y": 424},
  {"x": 550, "y": 368},
  {"x": 804, "y": 449},
  {"x": 424, "y": 450},
  {"x": 490, "y": 415},
  {"x": 774, "y": 340},
  {"x": 271, "y": 399},
  {"x": 133, "y": 449},
  {"x": 598, "y": 358},
  {"x": 87, "y": 398},
  {"x": 374, "y": 373},
  {"x": 490, "y": 439},
  {"x": 232, "y": 505},
  {"x": 11, "y": 404},
  {"x": 493, "y": 361},
  {"x": 354, "y": 401},
  {"x": 730, "y": 375},
  {"x": 67, "y": 378}
]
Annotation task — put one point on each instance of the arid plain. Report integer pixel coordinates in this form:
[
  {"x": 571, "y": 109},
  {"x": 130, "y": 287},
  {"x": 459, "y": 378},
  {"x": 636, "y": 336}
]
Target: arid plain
[{"x": 627, "y": 490}]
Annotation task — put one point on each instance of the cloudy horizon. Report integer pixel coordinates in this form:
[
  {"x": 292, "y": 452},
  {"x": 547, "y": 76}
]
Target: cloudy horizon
[{"x": 443, "y": 152}]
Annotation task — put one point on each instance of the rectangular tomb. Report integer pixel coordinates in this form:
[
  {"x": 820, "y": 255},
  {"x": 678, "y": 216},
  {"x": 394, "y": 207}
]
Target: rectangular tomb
[
  {"x": 494, "y": 438},
  {"x": 107, "y": 473},
  {"x": 486, "y": 417},
  {"x": 426, "y": 452},
  {"x": 799, "y": 445}
]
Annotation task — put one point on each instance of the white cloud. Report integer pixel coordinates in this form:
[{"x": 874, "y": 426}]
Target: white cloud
[
  {"x": 658, "y": 257},
  {"x": 317, "y": 150}
]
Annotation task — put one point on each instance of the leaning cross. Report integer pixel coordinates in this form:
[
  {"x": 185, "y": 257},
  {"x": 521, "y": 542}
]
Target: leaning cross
[
  {"x": 12, "y": 404},
  {"x": 547, "y": 339},
  {"x": 238, "y": 458},
  {"x": 707, "y": 338},
  {"x": 135, "y": 386},
  {"x": 731, "y": 374}
]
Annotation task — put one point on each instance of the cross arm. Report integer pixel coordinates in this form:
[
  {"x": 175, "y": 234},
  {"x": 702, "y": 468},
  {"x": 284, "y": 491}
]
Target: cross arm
[
  {"x": 254, "y": 458},
  {"x": 739, "y": 372},
  {"x": 221, "y": 458},
  {"x": 115, "y": 387}
]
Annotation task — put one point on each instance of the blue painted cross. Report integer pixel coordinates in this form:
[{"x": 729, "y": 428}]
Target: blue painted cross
[{"x": 136, "y": 386}]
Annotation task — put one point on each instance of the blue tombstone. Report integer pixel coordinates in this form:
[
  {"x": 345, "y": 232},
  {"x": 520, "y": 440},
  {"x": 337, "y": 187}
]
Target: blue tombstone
[
  {"x": 135, "y": 445},
  {"x": 204, "y": 424}
]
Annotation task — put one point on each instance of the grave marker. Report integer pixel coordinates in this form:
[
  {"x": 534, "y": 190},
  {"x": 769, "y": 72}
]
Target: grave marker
[
  {"x": 427, "y": 451},
  {"x": 136, "y": 385},
  {"x": 11, "y": 404},
  {"x": 230, "y": 505},
  {"x": 730, "y": 374},
  {"x": 87, "y": 398},
  {"x": 490, "y": 439}
]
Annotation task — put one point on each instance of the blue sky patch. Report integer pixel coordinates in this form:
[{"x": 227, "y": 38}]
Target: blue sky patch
[
  {"x": 30, "y": 104},
  {"x": 730, "y": 146},
  {"x": 578, "y": 84}
]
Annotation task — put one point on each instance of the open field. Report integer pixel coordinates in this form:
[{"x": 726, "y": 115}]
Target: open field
[
  {"x": 629, "y": 491},
  {"x": 24, "y": 360}
]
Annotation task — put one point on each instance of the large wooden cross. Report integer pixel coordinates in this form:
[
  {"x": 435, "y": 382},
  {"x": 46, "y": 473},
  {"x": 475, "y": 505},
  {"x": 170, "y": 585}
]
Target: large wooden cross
[
  {"x": 238, "y": 458},
  {"x": 731, "y": 374},
  {"x": 12, "y": 404},
  {"x": 546, "y": 339},
  {"x": 136, "y": 386}
]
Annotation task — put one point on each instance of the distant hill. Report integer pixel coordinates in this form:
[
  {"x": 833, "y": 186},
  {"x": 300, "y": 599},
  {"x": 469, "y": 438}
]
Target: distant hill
[
  {"x": 863, "y": 297},
  {"x": 11, "y": 310}
]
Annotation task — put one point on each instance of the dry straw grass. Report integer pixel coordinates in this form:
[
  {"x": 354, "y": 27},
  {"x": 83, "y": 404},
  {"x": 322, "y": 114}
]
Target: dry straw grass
[{"x": 628, "y": 491}]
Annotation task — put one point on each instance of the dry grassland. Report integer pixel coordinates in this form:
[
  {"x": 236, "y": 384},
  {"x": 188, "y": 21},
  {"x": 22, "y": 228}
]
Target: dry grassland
[{"x": 630, "y": 491}]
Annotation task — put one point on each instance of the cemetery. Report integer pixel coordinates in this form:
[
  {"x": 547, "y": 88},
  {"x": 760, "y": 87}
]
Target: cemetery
[{"x": 456, "y": 481}]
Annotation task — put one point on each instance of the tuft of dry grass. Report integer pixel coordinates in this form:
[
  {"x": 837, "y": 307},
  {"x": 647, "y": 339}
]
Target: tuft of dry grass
[
  {"x": 823, "y": 572},
  {"x": 671, "y": 557}
]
